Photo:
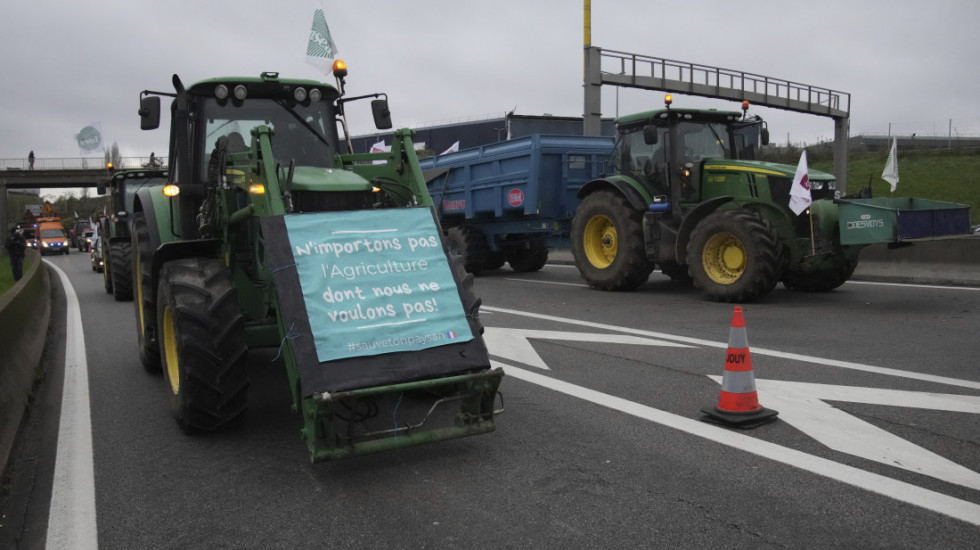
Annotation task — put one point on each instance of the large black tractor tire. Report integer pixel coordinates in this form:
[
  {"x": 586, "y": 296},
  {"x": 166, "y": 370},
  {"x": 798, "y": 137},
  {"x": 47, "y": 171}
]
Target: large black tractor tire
[
  {"x": 106, "y": 270},
  {"x": 734, "y": 256},
  {"x": 607, "y": 243},
  {"x": 202, "y": 342},
  {"x": 531, "y": 255},
  {"x": 823, "y": 280},
  {"x": 145, "y": 295},
  {"x": 121, "y": 265},
  {"x": 469, "y": 243}
]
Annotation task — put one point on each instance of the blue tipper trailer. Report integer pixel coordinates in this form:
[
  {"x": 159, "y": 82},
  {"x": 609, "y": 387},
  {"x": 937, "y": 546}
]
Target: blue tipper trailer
[{"x": 512, "y": 201}]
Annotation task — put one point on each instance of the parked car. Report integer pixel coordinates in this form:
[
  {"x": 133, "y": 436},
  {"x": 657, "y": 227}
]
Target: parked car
[
  {"x": 95, "y": 251},
  {"x": 85, "y": 239}
]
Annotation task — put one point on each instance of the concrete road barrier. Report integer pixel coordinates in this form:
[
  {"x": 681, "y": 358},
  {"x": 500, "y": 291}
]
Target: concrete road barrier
[{"x": 25, "y": 310}]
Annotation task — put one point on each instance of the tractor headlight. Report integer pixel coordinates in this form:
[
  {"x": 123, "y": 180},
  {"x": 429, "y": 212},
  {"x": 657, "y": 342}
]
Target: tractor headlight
[
  {"x": 240, "y": 92},
  {"x": 221, "y": 91},
  {"x": 315, "y": 95},
  {"x": 816, "y": 185},
  {"x": 299, "y": 94}
]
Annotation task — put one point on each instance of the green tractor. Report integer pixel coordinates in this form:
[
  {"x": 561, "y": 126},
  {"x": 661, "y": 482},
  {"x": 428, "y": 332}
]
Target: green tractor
[
  {"x": 271, "y": 233},
  {"x": 117, "y": 257},
  {"x": 687, "y": 195}
]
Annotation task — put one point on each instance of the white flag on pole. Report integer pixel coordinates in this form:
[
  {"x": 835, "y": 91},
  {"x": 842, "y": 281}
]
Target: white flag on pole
[
  {"x": 890, "y": 174},
  {"x": 799, "y": 195},
  {"x": 380, "y": 147},
  {"x": 452, "y": 148},
  {"x": 320, "y": 48},
  {"x": 89, "y": 140}
]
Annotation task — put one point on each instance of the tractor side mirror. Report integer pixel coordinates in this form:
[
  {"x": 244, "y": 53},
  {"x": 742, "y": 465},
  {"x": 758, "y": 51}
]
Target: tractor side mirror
[
  {"x": 149, "y": 112},
  {"x": 382, "y": 116},
  {"x": 650, "y": 134},
  {"x": 765, "y": 136},
  {"x": 100, "y": 187}
]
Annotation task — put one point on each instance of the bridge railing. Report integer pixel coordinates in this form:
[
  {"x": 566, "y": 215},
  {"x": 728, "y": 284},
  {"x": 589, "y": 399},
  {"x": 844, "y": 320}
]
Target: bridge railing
[{"x": 76, "y": 163}]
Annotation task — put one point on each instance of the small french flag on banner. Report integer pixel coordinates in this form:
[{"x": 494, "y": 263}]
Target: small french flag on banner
[{"x": 451, "y": 335}]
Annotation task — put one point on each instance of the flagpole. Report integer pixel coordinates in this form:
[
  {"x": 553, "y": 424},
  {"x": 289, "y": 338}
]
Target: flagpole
[{"x": 813, "y": 244}]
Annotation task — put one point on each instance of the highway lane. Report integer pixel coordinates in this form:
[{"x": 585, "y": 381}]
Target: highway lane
[{"x": 601, "y": 444}]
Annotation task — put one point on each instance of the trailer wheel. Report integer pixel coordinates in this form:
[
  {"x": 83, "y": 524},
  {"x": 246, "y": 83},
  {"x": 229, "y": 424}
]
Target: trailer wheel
[
  {"x": 531, "y": 258},
  {"x": 120, "y": 264},
  {"x": 823, "y": 280},
  {"x": 468, "y": 242},
  {"x": 202, "y": 340},
  {"x": 677, "y": 272},
  {"x": 607, "y": 243},
  {"x": 495, "y": 260},
  {"x": 145, "y": 295},
  {"x": 734, "y": 256}
]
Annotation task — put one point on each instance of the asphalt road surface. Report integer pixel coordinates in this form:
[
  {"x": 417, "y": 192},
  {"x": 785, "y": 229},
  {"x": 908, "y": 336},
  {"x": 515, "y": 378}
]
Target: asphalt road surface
[{"x": 602, "y": 444}]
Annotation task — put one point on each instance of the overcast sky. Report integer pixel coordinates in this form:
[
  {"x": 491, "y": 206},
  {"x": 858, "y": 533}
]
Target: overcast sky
[{"x": 910, "y": 64}]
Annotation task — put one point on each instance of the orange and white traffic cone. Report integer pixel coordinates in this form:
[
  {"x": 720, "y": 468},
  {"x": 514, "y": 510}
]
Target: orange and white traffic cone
[{"x": 738, "y": 404}]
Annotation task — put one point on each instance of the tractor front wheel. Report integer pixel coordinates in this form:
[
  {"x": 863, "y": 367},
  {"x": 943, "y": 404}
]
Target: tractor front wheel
[
  {"x": 202, "y": 341},
  {"x": 734, "y": 256},
  {"x": 607, "y": 243},
  {"x": 145, "y": 295}
]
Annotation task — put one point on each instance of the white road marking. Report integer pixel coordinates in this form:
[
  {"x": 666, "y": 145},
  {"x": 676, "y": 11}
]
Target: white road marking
[
  {"x": 913, "y": 285},
  {"x": 71, "y": 517},
  {"x": 875, "y": 483},
  {"x": 755, "y": 351},
  {"x": 803, "y": 405},
  {"x": 513, "y": 344},
  {"x": 543, "y": 282}
]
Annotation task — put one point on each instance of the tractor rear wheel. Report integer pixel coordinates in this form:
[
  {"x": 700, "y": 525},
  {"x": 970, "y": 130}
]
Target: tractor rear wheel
[
  {"x": 607, "y": 243},
  {"x": 120, "y": 265},
  {"x": 202, "y": 340},
  {"x": 529, "y": 256},
  {"x": 734, "y": 256},
  {"x": 468, "y": 242},
  {"x": 145, "y": 295}
]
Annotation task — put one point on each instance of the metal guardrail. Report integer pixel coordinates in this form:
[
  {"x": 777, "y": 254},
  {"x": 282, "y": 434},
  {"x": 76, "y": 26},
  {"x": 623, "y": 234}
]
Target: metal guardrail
[
  {"x": 624, "y": 68},
  {"x": 76, "y": 163}
]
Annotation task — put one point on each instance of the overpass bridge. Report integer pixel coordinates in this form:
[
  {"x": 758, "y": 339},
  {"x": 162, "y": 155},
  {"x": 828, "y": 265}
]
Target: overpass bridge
[
  {"x": 630, "y": 70},
  {"x": 57, "y": 173}
]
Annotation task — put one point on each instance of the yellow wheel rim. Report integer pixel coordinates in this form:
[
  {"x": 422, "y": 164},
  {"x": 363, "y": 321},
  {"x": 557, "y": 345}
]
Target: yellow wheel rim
[
  {"x": 169, "y": 341},
  {"x": 599, "y": 241},
  {"x": 723, "y": 258}
]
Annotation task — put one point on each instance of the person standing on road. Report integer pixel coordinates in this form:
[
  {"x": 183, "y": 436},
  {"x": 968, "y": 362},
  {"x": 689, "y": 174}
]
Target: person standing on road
[
  {"x": 15, "y": 247},
  {"x": 30, "y": 160}
]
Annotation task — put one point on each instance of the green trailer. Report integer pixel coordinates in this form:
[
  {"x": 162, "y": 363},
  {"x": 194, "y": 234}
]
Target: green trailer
[{"x": 900, "y": 219}]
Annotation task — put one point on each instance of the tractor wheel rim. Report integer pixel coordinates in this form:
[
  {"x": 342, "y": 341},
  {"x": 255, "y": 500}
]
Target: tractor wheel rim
[
  {"x": 724, "y": 258},
  {"x": 600, "y": 241},
  {"x": 169, "y": 341}
]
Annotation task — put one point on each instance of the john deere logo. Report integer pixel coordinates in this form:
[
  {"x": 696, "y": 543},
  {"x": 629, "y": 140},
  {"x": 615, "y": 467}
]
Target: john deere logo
[{"x": 89, "y": 139}]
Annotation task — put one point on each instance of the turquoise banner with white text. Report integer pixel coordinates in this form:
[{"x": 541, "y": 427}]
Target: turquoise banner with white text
[{"x": 375, "y": 282}]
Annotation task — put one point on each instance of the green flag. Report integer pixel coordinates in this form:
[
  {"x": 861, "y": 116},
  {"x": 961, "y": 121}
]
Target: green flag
[{"x": 320, "y": 49}]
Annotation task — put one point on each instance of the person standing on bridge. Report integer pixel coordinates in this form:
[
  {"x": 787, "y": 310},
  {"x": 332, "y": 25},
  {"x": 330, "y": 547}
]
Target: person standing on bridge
[
  {"x": 15, "y": 247},
  {"x": 30, "y": 160}
]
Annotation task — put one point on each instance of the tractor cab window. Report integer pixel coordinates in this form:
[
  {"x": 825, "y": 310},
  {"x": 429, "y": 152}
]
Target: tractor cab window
[
  {"x": 633, "y": 156},
  {"x": 302, "y": 134},
  {"x": 703, "y": 140}
]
